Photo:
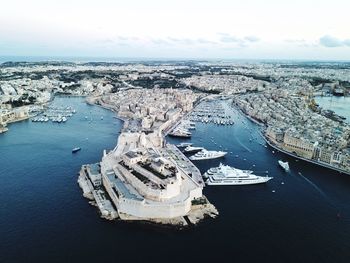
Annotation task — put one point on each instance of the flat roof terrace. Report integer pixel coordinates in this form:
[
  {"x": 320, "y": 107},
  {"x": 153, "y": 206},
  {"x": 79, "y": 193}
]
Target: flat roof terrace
[
  {"x": 121, "y": 187},
  {"x": 149, "y": 168},
  {"x": 95, "y": 168}
]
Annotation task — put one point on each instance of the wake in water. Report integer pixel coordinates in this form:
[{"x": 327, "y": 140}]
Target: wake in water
[
  {"x": 314, "y": 186},
  {"x": 245, "y": 147},
  {"x": 318, "y": 190}
]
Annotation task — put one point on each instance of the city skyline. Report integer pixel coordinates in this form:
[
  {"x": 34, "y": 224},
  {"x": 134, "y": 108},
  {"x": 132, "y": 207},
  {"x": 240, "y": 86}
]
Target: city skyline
[{"x": 196, "y": 30}]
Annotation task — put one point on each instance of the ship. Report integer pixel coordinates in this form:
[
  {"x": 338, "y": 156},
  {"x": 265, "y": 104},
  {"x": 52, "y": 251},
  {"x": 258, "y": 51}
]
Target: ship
[
  {"x": 284, "y": 165},
  {"x": 180, "y": 133},
  {"x": 193, "y": 149},
  {"x": 184, "y": 145},
  {"x": 338, "y": 92},
  {"x": 76, "y": 149},
  {"x": 206, "y": 155},
  {"x": 227, "y": 175}
]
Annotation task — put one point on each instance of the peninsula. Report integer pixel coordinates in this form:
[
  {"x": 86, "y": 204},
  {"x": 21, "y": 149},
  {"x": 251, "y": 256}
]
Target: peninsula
[{"x": 143, "y": 177}]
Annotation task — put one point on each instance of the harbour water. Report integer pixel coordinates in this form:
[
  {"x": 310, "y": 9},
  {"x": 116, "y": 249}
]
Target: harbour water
[
  {"x": 340, "y": 105},
  {"x": 44, "y": 217}
]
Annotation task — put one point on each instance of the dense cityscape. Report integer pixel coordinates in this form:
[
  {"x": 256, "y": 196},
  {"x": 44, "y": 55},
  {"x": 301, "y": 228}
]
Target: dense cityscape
[
  {"x": 177, "y": 131},
  {"x": 146, "y": 178}
]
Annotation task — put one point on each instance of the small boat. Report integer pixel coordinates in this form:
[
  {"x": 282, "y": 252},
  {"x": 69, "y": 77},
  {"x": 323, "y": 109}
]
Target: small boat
[
  {"x": 76, "y": 149},
  {"x": 284, "y": 165}
]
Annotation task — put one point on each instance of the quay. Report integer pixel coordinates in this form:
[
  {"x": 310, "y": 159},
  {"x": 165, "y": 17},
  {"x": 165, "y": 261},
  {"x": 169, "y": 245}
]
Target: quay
[
  {"x": 263, "y": 126},
  {"x": 184, "y": 163},
  {"x": 90, "y": 181},
  {"x": 305, "y": 159}
]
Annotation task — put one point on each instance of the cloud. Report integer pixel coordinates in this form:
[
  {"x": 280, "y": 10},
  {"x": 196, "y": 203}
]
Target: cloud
[
  {"x": 205, "y": 41},
  {"x": 226, "y": 38},
  {"x": 298, "y": 41},
  {"x": 222, "y": 40},
  {"x": 170, "y": 41},
  {"x": 302, "y": 43},
  {"x": 240, "y": 41},
  {"x": 330, "y": 41},
  {"x": 160, "y": 41},
  {"x": 251, "y": 39}
]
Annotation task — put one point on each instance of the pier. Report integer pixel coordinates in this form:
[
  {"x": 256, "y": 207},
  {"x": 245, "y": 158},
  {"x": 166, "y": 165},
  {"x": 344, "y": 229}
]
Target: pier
[{"x": 183, "y": 163}]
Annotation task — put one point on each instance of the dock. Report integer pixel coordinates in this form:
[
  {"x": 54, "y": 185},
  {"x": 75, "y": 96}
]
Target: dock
[
  {"x": 172, "y": 152},
  {"x": 90, "y": 181},
  {"x": 325, "y": 165}
]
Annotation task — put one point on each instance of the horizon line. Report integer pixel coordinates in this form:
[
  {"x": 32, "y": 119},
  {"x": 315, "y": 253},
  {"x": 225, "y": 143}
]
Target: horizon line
[{"x": 111, "y": 59}]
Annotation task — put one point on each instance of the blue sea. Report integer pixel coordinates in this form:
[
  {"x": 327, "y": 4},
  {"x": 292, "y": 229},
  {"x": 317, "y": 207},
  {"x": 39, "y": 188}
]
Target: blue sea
[{"x": 44, "y": 218}]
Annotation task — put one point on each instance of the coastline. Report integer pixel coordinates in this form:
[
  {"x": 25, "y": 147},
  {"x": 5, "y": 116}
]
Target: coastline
[
  {"x": 306, "y": 160},
  {"x": 45, "y": 104},
  {"x": 262, "y": 126}
]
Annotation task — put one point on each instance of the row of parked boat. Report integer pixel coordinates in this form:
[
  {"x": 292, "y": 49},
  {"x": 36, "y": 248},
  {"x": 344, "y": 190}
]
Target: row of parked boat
[
  {"x": 58, "y": 119},
  {"x": 223, "y": 174},
  {"x": 55, "y": 114},
  {"x": 210, "y": 112}
]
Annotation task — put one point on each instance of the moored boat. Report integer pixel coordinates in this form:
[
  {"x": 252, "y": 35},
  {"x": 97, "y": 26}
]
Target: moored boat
[
  {"x": 227, "y": 175},
  {"x": 76, "y": 149},
  {"x": 193, "y": 149},
  {"x": 207, "y": 155}
]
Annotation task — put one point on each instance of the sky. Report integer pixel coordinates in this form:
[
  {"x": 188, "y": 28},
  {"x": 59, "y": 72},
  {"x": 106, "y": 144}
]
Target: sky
[{"x": 218, "y": 29}]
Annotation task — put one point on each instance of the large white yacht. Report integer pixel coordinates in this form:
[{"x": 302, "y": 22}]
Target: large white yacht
[
  {"x": 227, "y": 175},
  {"x": 206, "y": 155}
]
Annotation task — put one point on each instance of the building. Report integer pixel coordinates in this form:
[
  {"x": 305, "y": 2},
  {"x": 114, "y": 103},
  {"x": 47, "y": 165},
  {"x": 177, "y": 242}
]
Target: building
[
  {"x": 298, "y": 145},
  {"x": 144, "y": 185}
]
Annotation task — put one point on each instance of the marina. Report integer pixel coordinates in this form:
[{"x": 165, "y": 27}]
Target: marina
[
  {"x": 211, "y": 112},
  {"x": 58, "y": 114}
]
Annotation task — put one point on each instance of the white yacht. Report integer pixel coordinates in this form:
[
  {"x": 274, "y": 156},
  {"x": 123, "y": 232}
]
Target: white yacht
[
  {"x": 184, "y": 144},
  {"x": 284, "y": 165},
  {"x": 206, "y": 155},
  {"x": 193, "y": 149},
  {"x": 227, "y": 175},
  {"x": 180, "y": 132}
]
